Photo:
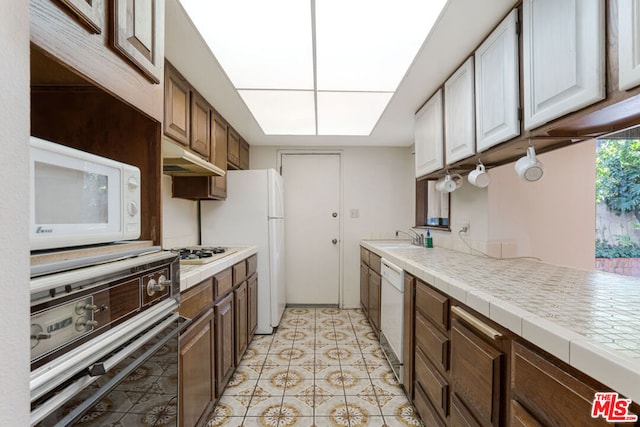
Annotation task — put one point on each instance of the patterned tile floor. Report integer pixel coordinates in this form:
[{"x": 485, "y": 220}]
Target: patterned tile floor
[{"x": 323, "y": 367}]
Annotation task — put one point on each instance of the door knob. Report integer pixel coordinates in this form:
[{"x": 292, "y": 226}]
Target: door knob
[
  {"x": 334, "y": 241},
  {"x": 335, "y": 214}
]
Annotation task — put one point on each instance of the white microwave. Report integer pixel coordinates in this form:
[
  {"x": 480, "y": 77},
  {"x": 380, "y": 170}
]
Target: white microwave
[{"x": 78, "y": 199}]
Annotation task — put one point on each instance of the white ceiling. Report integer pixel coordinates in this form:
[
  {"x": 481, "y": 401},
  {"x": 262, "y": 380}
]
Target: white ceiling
[{"x": 460, "y": 29}]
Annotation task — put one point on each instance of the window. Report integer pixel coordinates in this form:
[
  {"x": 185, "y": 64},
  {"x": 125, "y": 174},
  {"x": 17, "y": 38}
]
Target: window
[
  {"x": 432, "y": 206},
  {"x": 618, "y": 204}
]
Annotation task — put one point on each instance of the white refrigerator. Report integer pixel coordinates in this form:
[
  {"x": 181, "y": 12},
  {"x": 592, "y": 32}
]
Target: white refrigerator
[{"x": 253, "y": 214}]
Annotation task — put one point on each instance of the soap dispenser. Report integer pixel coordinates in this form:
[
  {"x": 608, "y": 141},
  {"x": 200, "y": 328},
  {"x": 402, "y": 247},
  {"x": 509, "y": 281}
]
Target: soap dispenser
[{"x": 428, "y": 242}]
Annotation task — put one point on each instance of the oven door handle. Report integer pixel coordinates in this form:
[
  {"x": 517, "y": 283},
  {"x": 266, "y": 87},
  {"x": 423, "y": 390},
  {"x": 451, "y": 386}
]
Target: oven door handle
[{"x": 52, "y": 404}]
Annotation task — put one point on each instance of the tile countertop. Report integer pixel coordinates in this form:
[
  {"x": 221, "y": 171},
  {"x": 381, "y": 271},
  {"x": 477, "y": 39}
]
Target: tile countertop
[
  {"x": 589, "y": 319},
  {"x": 192, "y": 274}
]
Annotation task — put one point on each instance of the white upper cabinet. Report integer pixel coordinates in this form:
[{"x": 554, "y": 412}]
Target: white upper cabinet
[
  {"x": 563, "y": 57},
  {"x": 459, "y": 114},
  {"x": 428, "y": 136},
  {"x": 497, "y": 91},
  {"x": 628, "y": 43}
]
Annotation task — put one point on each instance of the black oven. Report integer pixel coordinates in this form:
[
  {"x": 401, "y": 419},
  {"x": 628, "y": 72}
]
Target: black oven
[{"x": 104, "y": 342}]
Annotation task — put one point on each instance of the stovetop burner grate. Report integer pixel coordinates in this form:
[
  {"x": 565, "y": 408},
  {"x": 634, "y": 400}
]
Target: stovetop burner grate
[
  {"x": 198, "y": 253},
  {"x": 203, "y": 254}
]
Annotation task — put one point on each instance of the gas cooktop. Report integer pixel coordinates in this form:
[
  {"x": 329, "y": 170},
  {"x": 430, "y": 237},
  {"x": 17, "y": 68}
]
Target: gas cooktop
[{"x": 203, "y": 254}]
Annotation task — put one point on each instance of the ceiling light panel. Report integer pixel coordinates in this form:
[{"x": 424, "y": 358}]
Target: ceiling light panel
[
  {"x": 350, "y": 113},
  {"x": 282, "y": 112},
  {"x": 260, "y": 44},
  {"x": 368, "y": 45}
]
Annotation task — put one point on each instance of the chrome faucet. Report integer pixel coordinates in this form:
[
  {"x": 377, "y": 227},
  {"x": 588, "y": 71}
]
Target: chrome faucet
[{"x": 415, "y": 238}]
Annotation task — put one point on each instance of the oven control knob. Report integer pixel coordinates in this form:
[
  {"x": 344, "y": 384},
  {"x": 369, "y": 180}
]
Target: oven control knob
[
  {"x": 37, "y": 335},
  {"x": 83, "y": 323},
  {"x": 159, "y": 286},
  {"x": 83, "y": 307},
  {"x": 164, "y": 281}
]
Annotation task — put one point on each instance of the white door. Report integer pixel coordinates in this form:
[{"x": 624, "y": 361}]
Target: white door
[
  {"x": 312, "y": 227},
  {"x": 563, "y": 57}
]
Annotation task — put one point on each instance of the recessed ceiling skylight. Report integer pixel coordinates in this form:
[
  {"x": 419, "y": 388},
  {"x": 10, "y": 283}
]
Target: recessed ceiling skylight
[{"x": 307, "y": 67}]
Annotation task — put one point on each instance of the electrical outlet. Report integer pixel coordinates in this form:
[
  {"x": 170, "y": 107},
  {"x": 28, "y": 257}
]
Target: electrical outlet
[
  {"x": 355, "y": 213},
  {"x": 465, "y": 229}
]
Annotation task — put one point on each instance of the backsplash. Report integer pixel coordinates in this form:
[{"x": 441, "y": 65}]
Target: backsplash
[
  {"x": 179, "y": 219},
  {"x": 450, "y": 240}
]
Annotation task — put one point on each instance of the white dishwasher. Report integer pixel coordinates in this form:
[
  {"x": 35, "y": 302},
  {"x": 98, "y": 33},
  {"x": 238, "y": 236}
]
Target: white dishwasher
[{"x": 391, "y": 315}]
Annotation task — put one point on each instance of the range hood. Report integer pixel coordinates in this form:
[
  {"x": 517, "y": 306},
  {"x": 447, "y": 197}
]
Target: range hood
[{"x": 177, "y": 161}]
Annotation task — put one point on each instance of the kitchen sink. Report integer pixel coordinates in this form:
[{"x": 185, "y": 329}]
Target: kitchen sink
[{"x": 394, "y": 245}]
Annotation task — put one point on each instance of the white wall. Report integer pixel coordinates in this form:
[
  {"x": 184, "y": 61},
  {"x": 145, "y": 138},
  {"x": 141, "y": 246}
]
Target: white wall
[
  {"x": 468, "y": 204},
  {"x": 179, "y": 219},
  {"x": 14, "y": 208},
  {"x": 376, "y": 181},
  {"x": 554, "y": 218}
]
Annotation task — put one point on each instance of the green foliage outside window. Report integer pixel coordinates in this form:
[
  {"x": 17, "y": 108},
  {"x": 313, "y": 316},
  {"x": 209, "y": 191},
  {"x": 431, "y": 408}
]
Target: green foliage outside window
[{"x": 618, "y": 187}]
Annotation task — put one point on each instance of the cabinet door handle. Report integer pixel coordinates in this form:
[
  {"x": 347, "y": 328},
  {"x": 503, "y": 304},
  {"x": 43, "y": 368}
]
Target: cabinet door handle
[{"x": 476, "y": 323}]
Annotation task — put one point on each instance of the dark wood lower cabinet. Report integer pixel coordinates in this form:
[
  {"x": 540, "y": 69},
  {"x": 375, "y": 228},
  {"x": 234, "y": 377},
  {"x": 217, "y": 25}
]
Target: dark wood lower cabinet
[
  {"x": 477, "y": 374},
  {"x": 253, "y": 304},
  {"x": 224, "y": 332},
  {"x": 375, "y": 288},
  {"x": 464, "y": 370},
  {"x": 370, "y": 287},
  {"x": 548, "y": 393},
  {"x": 197, "y": 374},
  {"x": 408, "y": 339},
  {"x": 520, "y": 417},
  {"x": 460, "y": 415},
  {"x": 240, "y": 306},
  {"x": 432, "y": 383},
  {"x": 364, "y": 287},
  {"x": 425, "y": 408}
]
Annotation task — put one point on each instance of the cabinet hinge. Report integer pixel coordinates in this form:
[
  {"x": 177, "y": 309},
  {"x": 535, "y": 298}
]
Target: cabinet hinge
[
  {"x": 520, "y": 114},
  {"x": 518, "y": 27}
]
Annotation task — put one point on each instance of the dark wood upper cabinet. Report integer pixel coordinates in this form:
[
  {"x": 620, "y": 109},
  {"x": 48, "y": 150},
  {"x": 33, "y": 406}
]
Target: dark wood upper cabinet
[
  {"x": 200, "y": 125},
  {"x": 244, "y": 154},
  {"x": 219, "y": 141},
  {"x": 177, "y": 106},
  {"x": 233, "y": 149},
  {"x": 90, "y": 12},
  {"x": 138, "y": 34}
]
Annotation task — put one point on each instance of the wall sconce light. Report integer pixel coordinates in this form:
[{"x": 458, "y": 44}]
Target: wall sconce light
[
  {"x": 529, "y": 168},
  {"x": 479, "y": 177},
  {"x": 449, "y": 183}
]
